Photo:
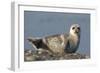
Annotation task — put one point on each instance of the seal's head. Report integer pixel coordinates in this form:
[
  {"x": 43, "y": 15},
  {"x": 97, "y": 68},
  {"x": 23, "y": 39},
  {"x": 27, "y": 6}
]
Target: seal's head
[{"x": 75, "y": 29}]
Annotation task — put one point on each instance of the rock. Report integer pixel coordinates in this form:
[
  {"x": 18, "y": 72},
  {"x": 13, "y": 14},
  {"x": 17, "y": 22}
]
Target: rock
[{"x": 42, "y": 55}]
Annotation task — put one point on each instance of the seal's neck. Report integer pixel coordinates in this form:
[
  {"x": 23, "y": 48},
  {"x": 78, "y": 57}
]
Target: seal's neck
[{"x": 74, "y": 36}]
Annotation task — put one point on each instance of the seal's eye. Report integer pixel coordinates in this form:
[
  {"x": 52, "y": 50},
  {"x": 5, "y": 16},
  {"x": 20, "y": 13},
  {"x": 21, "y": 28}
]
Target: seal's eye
[{"x": 73, "y": 28}]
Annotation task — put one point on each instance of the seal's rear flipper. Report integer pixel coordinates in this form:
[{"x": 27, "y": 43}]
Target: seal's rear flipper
[
  {"x": 31, "y": 39},
  {"x": 36, "y": 42}
]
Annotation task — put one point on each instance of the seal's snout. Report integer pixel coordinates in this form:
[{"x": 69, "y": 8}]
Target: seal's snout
[{"x": 77, "y": 30}]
